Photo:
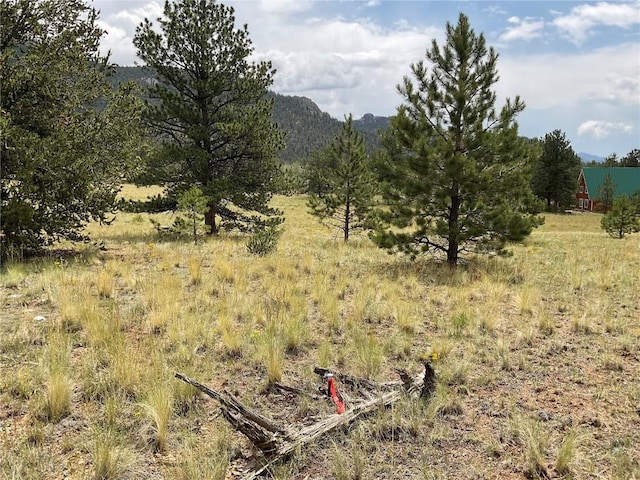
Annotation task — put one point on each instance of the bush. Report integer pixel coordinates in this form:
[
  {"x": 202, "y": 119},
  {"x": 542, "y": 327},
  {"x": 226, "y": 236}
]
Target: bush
[
  {"x": 621, "y": 219},
  {"x": 263, "y": 241}
]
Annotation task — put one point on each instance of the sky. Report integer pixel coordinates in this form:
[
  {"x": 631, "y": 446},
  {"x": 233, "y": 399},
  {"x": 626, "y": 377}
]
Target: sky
[{"x": 576, "y": 64}]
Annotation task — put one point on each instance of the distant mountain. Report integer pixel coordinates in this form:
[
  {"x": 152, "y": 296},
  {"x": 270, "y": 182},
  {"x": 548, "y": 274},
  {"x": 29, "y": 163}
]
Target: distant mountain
[
  {"x": 587, "y": 157},
  {"x": 308, "y": 128}
]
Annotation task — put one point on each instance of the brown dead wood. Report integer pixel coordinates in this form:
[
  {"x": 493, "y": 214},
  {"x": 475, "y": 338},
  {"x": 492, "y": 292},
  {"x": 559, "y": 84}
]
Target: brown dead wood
[{"x": 278, "y": 443}]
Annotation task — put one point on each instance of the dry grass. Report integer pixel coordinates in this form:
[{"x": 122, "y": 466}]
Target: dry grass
[{"x": 537, "y": 354}]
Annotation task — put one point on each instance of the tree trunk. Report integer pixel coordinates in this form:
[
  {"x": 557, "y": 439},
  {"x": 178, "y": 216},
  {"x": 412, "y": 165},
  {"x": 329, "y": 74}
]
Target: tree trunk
[
  {"x": 195, "y": 231},
  {"x": 454, "y": 244},
  {"x": 347, "y": 214},
  {"x": 210, "y": 219}
]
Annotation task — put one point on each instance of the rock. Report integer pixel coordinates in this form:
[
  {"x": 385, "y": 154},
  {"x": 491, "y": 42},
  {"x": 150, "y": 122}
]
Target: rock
[
  {"x": 39, "y": 318},
  {"x": 544, "y": 416}
]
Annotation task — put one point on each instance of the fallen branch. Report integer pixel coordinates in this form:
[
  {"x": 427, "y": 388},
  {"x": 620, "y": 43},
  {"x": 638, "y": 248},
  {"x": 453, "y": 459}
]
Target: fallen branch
[
  {"x": 295, "y": 390},
  {"x": 356, "y": 382},
  {"x": 312, "y": 432},
  {"x": 262, "y": 431},
  {"x": 277, "y": 443}
]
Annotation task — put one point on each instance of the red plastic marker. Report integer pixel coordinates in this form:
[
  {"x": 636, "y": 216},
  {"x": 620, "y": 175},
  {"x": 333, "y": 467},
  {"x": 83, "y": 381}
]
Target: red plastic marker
[{"x": 334, "y": 394}]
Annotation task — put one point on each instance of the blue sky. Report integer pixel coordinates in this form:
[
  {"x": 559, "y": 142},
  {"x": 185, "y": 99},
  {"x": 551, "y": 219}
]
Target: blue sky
[{"x": 575, "y": 64}]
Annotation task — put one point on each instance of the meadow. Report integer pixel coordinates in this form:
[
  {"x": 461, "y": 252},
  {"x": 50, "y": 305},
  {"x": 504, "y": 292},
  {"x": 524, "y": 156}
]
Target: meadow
[{"x": 538, "y": 354}]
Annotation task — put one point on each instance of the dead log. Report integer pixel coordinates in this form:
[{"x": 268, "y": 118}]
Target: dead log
[
  {"x": 428, "y": 381},
  {"x": 277, "y": 443},
  {"x": 313, "y": 432},
  {"x": 262, "y": 431},
  {"x": 295, "y": 390}
]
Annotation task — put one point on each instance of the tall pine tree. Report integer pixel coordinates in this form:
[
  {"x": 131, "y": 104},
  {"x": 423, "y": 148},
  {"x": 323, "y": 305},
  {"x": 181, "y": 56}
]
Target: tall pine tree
[
  {"x": 456, "y": 173},
  {"x": 210, "y": 113},
  {"x": 345, "y": 183},
  {"x": 556, "y": 173}
]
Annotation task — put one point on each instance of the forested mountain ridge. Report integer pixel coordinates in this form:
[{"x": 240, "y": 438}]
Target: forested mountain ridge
[{"x": 308, "y": 128}]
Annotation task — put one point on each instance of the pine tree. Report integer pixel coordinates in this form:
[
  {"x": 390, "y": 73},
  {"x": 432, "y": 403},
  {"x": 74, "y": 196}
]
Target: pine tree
[
  {"x": 457, "y": 176},
  {"x": 210, "y": 113},
  {"x": 556, "y": 172},
  {"x": 67, "y": 140},
  {"x": 621, "y": 219},
  {"x": 606, "y": 192},
  {"x": 344, "y": 182},
  {"x": 631, "y": 159},
  {"x": 193, "y": 204}
]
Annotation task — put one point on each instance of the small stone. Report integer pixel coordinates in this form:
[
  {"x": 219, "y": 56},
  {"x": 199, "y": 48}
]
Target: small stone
[
  {"x": 566, "y": 422},
  {"x": 544, "y": 416},
  {"x": 39, "y": 318}
]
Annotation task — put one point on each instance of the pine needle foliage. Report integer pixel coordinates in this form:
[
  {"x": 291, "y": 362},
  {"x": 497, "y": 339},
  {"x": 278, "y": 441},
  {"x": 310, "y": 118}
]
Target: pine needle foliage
[
  {"x": 193, "y": 204},
  {"x": 67, "y": 140},
  {"x": 210, "y": 112},
  {"x": 621, "y": 219},
  {"x": 456, "y": 174},
  {"x": 343, "y": 183},
  {"x": 554, "y": 179}
]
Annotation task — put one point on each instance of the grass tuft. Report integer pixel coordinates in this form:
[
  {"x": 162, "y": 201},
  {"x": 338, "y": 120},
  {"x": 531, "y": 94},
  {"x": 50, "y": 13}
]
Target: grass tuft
[{"x": 158, "y": 407}]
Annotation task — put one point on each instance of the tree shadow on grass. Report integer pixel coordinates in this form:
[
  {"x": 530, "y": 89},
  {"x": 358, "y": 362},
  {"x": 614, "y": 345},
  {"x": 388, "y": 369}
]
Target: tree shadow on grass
[{"x": 438, "y": 272}]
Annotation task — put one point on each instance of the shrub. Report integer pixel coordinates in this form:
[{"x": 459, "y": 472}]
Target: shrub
[
  {"x": 263, "y": 241},
  {"x": 621, "y": 219}
]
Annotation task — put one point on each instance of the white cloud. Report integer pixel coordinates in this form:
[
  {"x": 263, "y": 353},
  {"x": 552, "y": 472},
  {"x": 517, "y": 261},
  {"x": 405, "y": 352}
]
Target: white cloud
[
  {"x": 577, "y": 25},
  {"x": 524, "y": 29},
  {"x": 600, "y": 129},
  {"x": 343, "y": 65},
  {"x": 285, "y": 6},
  {"x": 135, "y": 16},
  {"x": 494, "y": 10},
  {"x": 593, "y": 79},
  {"x": 120, "y": 27}
]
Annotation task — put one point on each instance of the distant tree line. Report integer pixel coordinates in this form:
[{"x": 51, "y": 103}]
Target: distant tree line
[{"x": 631, "y": 159}]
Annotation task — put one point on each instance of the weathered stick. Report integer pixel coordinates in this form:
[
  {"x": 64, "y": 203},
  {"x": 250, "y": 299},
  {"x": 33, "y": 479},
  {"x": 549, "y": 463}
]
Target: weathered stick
[
  {"x": 278, "y": 443},
  {"x": 356, "y": 382},
  {"x": 295, "y": 390},
  {"x": 261, "y": 430},
  {"x": 312, "y": 432}
]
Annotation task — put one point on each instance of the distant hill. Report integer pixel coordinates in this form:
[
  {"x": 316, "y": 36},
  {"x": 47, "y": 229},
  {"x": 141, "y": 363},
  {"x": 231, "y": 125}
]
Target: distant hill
[
  {"x": 587, "y": 157},
  {"x": 308, "y": 128}
]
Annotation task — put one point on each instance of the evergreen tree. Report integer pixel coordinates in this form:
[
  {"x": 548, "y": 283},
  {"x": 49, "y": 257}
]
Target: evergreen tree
[
  {"x": 210, "y": 113},
  {"x": 621, "y": 219},
  {"x": 67, "y": 140},
  {"x": 606, "y": 192},
  {"x": 457, "y": 174},
  {"x": 610, "y": 161},
  {"x": 556, "y": 172},
  {"x": 343, "y": 182},
  {"x": 193, "y": 204},
  {"x": 631, "y": 159},
  {"x": 635, "y": 200}
]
